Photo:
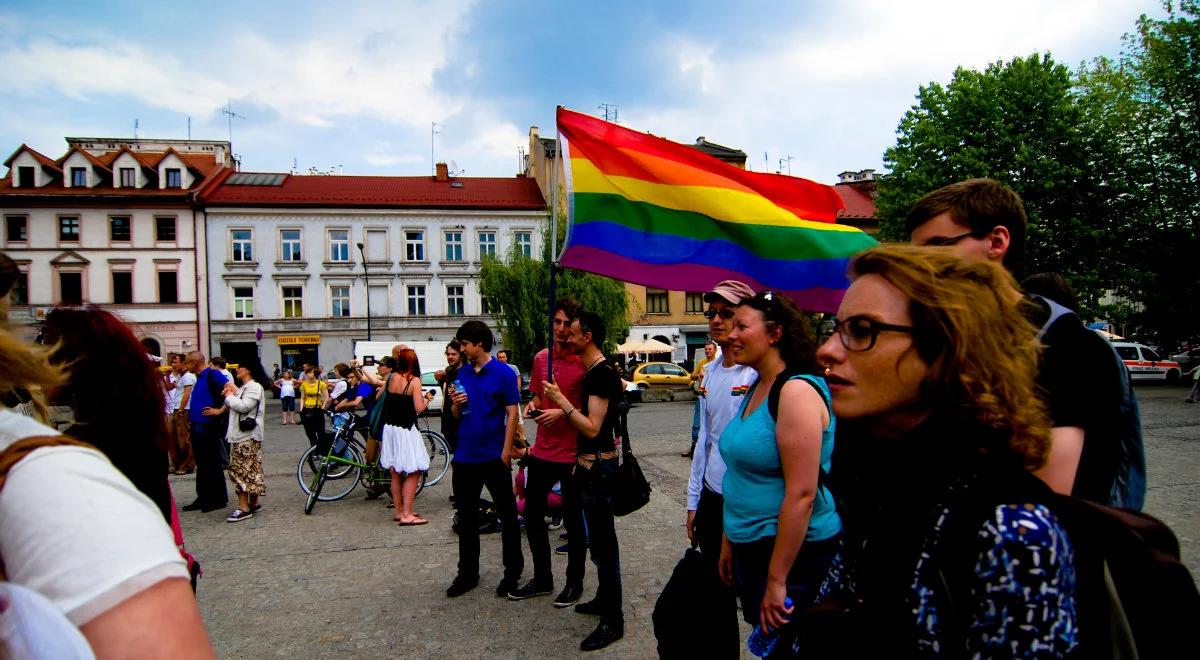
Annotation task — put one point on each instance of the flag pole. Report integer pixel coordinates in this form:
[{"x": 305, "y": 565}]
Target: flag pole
[{"x": 553, "y": 251}]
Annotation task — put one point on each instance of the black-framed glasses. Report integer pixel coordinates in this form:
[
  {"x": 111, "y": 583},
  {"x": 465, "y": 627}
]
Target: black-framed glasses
[
  {"x": 725, "y": 314},
  {"x": 859, "y": 333},
  {"x": 944, "y": 241}
]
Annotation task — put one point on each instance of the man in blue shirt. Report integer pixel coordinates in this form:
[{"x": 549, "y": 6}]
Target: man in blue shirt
[
  {"x": 486, "y": 407},
  {"x": 208, "y": 434}
]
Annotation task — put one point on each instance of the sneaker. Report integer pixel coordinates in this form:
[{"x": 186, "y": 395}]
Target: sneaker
[
  {"x": 568, "y": 596},
  {"x": 505, "y": 587},
  {"x": 256, "y": 508},
  {"x": 562, "y": 549},
  {"x": 460, "y": 586},
  {"x": 531, "y": 590},
  {"x": 606, "y": 633},
  {"x": 238, "y": 514},
  {"x": 1189, "y": 401},
  {"x": 562, "y": 537},
  {"x": 591, "y": 607}
]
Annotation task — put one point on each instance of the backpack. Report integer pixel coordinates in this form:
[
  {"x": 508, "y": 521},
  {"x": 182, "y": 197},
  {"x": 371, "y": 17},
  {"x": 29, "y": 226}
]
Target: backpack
[{"x": 773, "y": 409}]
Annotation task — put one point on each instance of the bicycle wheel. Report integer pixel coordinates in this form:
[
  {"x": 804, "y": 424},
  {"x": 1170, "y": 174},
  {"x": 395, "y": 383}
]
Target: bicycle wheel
[
  {"x": 314, "y": 491},
  {"x": 340, "y": 478},
  {"x": 439, "y": 456}
]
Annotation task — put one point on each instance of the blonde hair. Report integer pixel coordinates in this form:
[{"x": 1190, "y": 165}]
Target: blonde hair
[
  {"x": 970, "y": 326},
  {"x": 26, "y": 367}
]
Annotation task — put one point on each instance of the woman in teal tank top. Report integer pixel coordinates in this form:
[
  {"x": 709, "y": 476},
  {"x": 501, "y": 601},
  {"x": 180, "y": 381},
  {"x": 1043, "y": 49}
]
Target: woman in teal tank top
[{"x": 781, "y": 527}]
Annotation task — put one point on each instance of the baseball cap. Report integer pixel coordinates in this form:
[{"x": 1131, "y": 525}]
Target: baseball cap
[
  {"x": 732, "y": 291},
  {"x": 388, "y": 361}
]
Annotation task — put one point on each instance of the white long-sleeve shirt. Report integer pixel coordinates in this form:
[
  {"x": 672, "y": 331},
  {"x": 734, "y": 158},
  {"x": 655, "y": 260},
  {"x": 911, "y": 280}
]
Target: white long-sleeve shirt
[{"x": 722, "y": 391}]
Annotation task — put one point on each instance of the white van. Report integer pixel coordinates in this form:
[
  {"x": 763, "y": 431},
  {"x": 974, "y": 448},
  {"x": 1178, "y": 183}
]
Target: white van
[{"x": 431, "y": 355}]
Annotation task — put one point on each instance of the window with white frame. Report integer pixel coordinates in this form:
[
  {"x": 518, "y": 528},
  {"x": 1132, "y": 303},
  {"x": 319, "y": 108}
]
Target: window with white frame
[
  {"x": 174, "y": 177},
  {"x": 78, "y": 177},
  {"x": 168, "y": 286},
  {"x": 293, "y": 301},
  {"x": 524, "y": 242},
  {"x": 339, "y": 245},
  {"x": 119, "y": 230},
  {"x": 487, "y": 244},
  {"x": 414, "y": 245},
  {"x": 289, "y": 244},
  {"x": 128, "y": 178},
  {"x": 68, "y": 229},
  {"x": 241, "y": 245},
  {"x": 164, "y": 229},
  {"x": 339, "y": 301},
  {"x": 454, "y": 245},
  {"x": 122, "y": 287},
  {"x": 416, "y": 300},
  {"x": 484, "y": 306},
  {"x": 16, "y": 228},
  {"x": 455, "y": 303},
  {"x": 243, "y": 302}
]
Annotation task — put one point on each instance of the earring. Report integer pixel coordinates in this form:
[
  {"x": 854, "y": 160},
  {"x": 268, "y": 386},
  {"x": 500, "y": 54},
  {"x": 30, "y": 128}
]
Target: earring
[{"x": 828, "y": 369}]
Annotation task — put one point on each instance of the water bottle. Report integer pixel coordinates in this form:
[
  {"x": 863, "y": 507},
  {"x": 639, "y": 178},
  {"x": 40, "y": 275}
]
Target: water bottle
[
  {"x": 458, "y": 387},
  {"x": 762, "y": 643}
]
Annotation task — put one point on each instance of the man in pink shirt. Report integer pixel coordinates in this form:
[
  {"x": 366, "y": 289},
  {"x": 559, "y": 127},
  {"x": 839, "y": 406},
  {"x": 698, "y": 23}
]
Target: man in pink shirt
[{"x": 550, "y": 460}]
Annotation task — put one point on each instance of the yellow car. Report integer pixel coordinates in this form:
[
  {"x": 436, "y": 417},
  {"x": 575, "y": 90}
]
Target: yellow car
[{"x": 661, "y": 375}]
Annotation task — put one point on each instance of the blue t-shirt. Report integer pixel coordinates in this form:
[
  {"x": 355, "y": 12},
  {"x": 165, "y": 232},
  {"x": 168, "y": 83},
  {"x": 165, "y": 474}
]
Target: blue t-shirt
[
  {"x": 481, "y": 426},
  {"x": 754, "y": 484},
  {"x": 367, "y": 392},
  {"x": 208, "y": 382}
]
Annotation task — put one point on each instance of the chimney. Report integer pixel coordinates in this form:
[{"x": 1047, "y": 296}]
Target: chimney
[{"x": 443, "y": 173}]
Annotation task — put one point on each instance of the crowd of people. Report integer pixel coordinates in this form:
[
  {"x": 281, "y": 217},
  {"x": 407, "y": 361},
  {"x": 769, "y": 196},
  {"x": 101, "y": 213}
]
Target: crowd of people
[{"x": 886, "y": 492}]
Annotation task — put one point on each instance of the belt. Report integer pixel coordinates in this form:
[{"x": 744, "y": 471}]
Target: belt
[{"x": 587, "y": 461}]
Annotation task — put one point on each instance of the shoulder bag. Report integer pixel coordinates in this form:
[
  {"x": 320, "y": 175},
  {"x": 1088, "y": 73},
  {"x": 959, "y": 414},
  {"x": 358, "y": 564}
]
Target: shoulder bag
[
  {"x": 247, "y": 423},
  {"x": 631, "y": 491}
]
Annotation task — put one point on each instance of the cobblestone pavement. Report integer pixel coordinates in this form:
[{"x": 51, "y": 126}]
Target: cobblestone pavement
[{"x": 347, "y": 582}]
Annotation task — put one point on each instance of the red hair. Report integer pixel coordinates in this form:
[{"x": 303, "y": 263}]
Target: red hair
[{"x": 408, "y": 364}]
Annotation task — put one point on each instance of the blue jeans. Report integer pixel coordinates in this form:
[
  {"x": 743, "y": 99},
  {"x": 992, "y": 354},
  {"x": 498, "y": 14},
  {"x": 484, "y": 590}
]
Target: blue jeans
[
  {"x": 752, "y": 560},
  {"x": 595, "y": 494},
  {"x": 696, "y": 422}
]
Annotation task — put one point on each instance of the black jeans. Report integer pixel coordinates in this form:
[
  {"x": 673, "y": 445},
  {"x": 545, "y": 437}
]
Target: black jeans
[
  {"x": 751, "y": 561},
  {"x": 720, "y": 622},
  {"x": 542, "y": 475},
  {"x": 314, "y": 422},
  {"x": 468, "y": 481},
  {"x": 595, "y": 495},
  {"x": 207, "y": 438}
]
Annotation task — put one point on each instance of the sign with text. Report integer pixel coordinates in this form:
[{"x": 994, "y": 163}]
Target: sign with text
[{"x": 288, "y": 340}]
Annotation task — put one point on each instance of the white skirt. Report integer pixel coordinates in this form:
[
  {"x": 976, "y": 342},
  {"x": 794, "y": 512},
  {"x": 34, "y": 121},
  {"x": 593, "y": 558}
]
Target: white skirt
[{"x": 403, "y": 450}]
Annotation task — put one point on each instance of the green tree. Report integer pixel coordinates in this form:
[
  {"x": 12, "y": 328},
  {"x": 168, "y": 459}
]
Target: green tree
[{"x": 518, "y": 292}]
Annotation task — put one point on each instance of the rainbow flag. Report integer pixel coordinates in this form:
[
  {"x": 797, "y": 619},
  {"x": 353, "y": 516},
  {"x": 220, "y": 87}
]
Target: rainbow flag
[{"x": 657, "y": 213}]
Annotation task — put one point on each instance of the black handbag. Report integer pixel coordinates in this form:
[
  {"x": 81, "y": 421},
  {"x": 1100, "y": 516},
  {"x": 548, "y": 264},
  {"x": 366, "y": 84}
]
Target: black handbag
[
  {"x": 247, "y": 423},
  {"x": 631, "y": 491}
]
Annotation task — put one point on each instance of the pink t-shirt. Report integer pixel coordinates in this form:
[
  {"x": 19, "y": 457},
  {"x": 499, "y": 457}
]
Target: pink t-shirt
[{"x": 557, "y": 443}]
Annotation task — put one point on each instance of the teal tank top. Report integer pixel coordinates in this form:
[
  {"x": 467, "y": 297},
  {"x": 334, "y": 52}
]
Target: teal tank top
[{"x": 754, "y": 485}]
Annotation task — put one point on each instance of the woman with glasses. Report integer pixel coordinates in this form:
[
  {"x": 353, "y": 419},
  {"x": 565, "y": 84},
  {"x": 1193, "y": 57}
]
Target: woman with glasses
[
  {"x": 948, "y": 550},
  {"x": 781, "y": 527}
]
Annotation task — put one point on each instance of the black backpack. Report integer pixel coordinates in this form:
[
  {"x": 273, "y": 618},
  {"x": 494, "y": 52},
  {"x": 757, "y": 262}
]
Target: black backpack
[{"x": 773, "y": 409}]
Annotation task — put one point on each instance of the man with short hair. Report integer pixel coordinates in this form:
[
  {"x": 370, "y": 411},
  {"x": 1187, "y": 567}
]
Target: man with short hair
[
  {"x": 182, "y": 459},
  {"x": 710, "y": 350},
  {"x": 551, "y": 460},
  {"x": 503, "y": 355},
  {"x": 486, "y": 406},
  {"x": 208, "y": 434},
  {"x": 1079, "y": 379}
]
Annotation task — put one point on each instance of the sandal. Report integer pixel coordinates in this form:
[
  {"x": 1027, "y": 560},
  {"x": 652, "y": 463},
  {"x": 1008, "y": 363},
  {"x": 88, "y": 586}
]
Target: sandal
[{"x": 417, "y": 520}]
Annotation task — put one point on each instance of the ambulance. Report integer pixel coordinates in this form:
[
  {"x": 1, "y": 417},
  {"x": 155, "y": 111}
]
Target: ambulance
[{"x": 1144, "y": 364}]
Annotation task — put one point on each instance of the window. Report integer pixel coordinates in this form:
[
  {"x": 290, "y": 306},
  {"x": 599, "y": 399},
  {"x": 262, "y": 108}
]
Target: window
[
  {"x": 24, "y": 177},
  {"x": 79, "y": 177},
  {"x": 694, "y": 303},
  {"x": 20, "y": 290},
  {"x": 414, "y": 246},
  {"x": 242, "y": 240},
  {"x": 128, "y": 179},
  {"x": 487, "y": 244},
  {"x": 454, "y": 246},
  {"x": 339, "y": 246},
  {"x": 524, "y": 241},
  {"x": 243, "y": 302},
  {"x": 672, "y": 370},
  {"x": 16, "y": 228},
  {"x": 454, "y": 301},
  {"x": 118, "y": 229},
  {"x": 174, "y": 177},
  {"x": 293, "y": 303},
  {"x": 339, "y": 298},
  {"x": 68, "y": 229},
  {"x": 416, "y": 301},
  {"x": 164, "y": 229},
  {"x": 168, "y": 286},
  {"x": 122, "y": 287},
  {"x": 656, "y": 302},
  {"x": 484, "y": 307},
  {"x": 376, "y": 245},
  {"x": 70, "y": 288},
  {"x": 289, "y": 241},
  {"x": 1150, "y": 355}
]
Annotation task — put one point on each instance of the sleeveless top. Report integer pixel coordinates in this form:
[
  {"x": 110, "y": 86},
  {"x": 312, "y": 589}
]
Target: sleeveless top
[
  {"x": 287, "y": 387},
  {"x": 400, "y": 408},
  {"x": 754, "y": 483}
]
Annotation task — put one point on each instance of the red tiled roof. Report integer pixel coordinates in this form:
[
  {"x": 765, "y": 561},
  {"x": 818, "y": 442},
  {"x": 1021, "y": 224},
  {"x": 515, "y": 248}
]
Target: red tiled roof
[
  {"x": 858, "y": 203},
  {"x": 56, "y": 189},
  {"x": 38, "y": 156},
  {"x": 94, "y": 160},
  {"x": 507, "y": 193}
]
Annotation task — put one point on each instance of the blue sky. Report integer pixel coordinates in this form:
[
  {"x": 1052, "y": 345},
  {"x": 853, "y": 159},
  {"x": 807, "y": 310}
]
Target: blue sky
[{"x": 358, "y": 85}]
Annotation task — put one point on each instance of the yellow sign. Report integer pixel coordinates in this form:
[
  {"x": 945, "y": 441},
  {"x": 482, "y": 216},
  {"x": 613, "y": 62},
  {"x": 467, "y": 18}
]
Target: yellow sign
[{"x": 286, "y": 340}]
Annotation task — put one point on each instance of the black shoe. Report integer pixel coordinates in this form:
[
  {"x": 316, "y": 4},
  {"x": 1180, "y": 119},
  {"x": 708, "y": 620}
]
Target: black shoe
[
  {"x": 606, "y": 633},
  {"x": 194, "y": 506},
  {"x": 209, "y": 509},
  {"x": 531, "y": 590},
  {"x": 568, "y": 596},
  {"x": 505, "y": 587},
  {"x": 591, "y": 607},
  {"x": 460, "y": 586},
  {"x": 562, "y": 537},
  {"x": 562, "y": 549}
]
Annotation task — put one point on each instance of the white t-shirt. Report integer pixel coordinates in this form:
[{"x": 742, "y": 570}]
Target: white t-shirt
[
  {"x": 724, "y": 390},
  {"x": 287, "y": 387},
  {"x": 174, "y": 394},
  {"x": 188, "y": 379},
  {"x": 339, "y": 388},
  {"x": 75, "y": 530}
]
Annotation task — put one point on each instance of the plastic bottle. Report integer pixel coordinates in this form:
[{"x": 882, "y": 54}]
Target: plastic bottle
[
  {"x": 458, "y": 387},
  {"x": 762, "y": 643}
]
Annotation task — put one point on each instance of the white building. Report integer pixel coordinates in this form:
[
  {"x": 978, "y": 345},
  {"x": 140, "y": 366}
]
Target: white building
[
  {"x": 110, "y": 223},
  {"x": 283, "y": 258}
]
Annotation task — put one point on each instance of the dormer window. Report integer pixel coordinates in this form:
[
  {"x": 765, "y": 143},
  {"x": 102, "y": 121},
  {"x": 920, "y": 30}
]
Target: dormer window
[
  {"x": 25, "y": 177},
  {"x": 174, "y": 177},
  {"x": 128, "y": 178},
  {"x": 79, "y": 177}
]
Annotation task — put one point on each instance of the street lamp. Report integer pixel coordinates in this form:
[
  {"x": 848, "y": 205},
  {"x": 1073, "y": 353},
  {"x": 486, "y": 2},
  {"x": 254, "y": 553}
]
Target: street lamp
[{"x": 367, "y": 284}]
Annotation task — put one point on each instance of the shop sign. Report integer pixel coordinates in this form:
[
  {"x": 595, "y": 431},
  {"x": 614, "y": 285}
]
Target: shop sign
[{"x": 289, "y": 340}]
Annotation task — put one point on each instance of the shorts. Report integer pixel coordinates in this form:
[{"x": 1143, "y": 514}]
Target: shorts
[{"x": 289, "y": 403}]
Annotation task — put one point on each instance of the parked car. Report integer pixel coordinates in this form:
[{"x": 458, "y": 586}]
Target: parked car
[
  {"x": 661, "y": 375},
  {"x": 429, "y": 384},
  {"x": 1145, "y": 364},
  {"x": 1187, "y": 359}
]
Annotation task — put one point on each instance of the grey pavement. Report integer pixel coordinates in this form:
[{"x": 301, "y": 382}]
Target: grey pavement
[{"x": 347, "y": 582}]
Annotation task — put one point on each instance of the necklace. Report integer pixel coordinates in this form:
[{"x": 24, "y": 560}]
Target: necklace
[{"x": 594, "y": 363}]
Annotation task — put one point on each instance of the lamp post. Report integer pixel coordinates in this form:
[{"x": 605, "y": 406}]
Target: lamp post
[{"x": 367, "y": 285}]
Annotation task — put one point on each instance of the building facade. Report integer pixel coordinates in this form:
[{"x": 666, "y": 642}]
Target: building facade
[
  {"x": 295, "y": 262},
  {"x": 111, "y": 223}
]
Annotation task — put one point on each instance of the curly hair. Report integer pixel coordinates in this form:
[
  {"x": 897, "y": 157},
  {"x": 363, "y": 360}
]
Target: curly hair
[
  {"x": 797, "y": 344},
  {"x": 970, "y": 327}
]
